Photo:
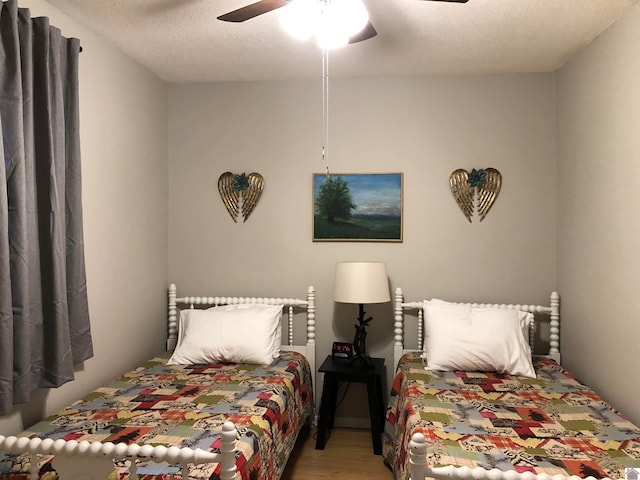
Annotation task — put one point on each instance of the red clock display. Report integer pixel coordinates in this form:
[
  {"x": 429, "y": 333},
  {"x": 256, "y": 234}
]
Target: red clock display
[{"x": 342, "y": 350}]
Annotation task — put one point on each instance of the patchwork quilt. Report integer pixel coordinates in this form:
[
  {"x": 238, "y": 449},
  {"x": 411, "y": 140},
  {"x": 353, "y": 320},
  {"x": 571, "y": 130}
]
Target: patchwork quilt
[
  {"x": 186, "y": 406},
  {"x": 550, "y": 424}
]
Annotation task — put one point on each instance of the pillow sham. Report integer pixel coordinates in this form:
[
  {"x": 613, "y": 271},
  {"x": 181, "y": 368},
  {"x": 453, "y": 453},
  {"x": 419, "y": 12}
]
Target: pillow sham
[
  {"x": 476, "y": 339},
  {"x": 526, "y": 318},
  {"x": 229, "y": 334},
  {"x": 260, "y": 309}
]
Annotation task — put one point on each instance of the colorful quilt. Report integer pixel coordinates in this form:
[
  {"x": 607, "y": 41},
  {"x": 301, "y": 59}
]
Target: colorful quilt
[
  {"x": 550, "y": 424},
  {"x": 162, "y": 404}
]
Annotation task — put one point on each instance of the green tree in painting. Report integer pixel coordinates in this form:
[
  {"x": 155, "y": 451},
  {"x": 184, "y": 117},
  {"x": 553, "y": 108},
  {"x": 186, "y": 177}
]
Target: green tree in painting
[{"x": 334, "y": 199}]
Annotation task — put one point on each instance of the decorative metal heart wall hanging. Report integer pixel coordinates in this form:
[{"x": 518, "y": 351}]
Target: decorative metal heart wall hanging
[
  {"x": 486, "y": 182},
  {"x": 240, "y": 193}
]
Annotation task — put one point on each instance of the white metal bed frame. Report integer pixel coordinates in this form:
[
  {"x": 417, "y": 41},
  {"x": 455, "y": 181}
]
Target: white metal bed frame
[
  {"x": 418, "y": 445},
  {"x": 94, "y": 460}
]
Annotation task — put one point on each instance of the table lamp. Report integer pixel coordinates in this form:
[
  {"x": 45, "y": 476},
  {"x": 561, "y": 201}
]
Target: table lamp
[{"x": 361, "y": 283}]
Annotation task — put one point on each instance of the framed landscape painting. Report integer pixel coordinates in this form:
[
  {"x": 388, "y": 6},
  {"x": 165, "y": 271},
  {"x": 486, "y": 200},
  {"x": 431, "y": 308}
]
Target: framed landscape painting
[{"x": 357, "y": 207}]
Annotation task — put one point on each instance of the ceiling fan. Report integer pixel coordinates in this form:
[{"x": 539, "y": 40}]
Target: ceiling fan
[{"x": 264, "y": 6}]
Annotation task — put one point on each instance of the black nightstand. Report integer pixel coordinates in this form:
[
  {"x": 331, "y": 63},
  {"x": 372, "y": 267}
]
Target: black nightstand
[{"x": 339, "y": 370}]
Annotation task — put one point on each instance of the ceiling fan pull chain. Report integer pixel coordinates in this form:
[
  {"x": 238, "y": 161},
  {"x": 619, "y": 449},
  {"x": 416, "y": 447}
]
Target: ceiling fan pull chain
[{"x": 325, "y": 108}]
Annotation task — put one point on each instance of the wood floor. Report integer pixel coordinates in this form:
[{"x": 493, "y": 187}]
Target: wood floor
[{"x": 348, "y": 454}]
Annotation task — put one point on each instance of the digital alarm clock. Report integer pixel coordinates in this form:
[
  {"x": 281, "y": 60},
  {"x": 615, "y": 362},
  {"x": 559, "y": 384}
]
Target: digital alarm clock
[{"x": 342, "y": 350}]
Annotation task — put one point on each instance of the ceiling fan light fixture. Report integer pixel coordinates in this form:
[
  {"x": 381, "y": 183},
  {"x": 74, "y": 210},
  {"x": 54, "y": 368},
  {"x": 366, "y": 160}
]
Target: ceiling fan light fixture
[
  {"x": 299, "y": 18},
  {"x": 332, "y": 21},
  {"x": 330, "y": 39},
  {"x": 348, "y": 16}
]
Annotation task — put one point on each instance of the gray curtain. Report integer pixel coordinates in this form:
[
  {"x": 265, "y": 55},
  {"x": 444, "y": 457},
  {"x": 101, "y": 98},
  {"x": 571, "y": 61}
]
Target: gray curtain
[{"x": 44, "y": 317}]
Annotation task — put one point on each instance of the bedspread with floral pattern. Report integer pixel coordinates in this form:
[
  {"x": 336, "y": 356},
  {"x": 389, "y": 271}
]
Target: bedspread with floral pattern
[
  {"x": 162, "y": 404},
  {"x": 549, "y": 424}
]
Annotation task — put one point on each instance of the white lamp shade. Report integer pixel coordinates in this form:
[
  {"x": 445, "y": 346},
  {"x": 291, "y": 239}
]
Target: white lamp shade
[{"x": 361, "y": 282}]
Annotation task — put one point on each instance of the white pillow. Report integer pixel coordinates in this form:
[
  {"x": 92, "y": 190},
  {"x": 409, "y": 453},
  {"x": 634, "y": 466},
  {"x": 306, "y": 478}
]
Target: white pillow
[
  {"x": 229, "y": 334},
  {"x": 526, "y": 318},
  {"x": 464, "y": 309},
  {"x": 261, "y": 309},
  {"x": 450, "y": 309},
  {"x": 484, "y": 339}
]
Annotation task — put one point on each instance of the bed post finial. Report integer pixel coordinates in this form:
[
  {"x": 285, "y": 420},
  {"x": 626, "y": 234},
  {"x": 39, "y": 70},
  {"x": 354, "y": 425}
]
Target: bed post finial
[
  {"x": 228, "y": 436},
  {"x": 417, "y": 456},
  {"x": 172, "y": 319},
  {"x": 554, "y": 327}
]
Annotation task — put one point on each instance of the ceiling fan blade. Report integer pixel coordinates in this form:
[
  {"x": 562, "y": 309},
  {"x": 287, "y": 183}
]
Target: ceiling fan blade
[
  {"x": 365, "y": 34},
  {"x": 253, "y": 10}
]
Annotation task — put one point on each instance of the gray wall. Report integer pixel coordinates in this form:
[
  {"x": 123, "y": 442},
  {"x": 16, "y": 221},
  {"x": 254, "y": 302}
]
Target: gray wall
[
  {"x": 423, "y": 127},
  {"x": 123, "y": 137},
  {"x": 598, "y": 210}
]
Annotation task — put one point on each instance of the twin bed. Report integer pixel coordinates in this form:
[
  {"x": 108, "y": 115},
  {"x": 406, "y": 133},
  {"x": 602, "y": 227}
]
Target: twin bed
[
  {"x": 227, "y": 400},
  {"x": 229, "y": 397},
  {"x": 470, "y": 401}
]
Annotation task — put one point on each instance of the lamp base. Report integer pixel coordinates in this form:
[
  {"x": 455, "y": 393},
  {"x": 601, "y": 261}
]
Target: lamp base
[
  {"x": 362, "y": 360},
  {"x": 359, "y": 340}
]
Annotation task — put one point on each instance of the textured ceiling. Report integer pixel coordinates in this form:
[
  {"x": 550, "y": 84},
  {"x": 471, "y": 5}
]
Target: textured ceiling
[{"x": 182, "y": 41}]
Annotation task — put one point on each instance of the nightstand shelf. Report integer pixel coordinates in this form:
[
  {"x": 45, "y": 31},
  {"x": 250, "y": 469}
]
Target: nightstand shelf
[{"x": 338, "y": 370}]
